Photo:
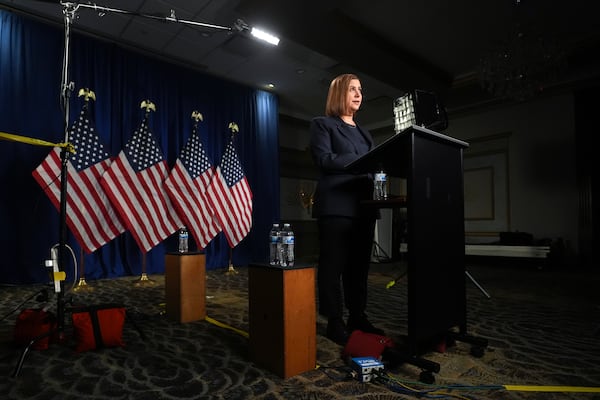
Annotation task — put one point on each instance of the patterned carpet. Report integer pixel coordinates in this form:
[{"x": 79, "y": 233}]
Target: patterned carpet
[{"x": 541, "y": 325}]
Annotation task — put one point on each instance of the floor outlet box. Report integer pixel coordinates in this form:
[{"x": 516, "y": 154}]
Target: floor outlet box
[{"x": 366, "y": 367}]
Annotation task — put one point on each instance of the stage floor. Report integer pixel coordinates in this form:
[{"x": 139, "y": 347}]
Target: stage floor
[{"x": 541, "y": 325}]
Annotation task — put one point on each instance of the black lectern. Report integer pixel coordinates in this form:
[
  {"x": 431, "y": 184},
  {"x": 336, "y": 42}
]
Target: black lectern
[{"x": 432, "y": 164}]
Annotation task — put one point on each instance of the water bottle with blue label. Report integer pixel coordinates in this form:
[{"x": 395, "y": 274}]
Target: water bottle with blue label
[
  {"x": 380, "y": 185},
  {"x": 273, "y": 245},
  {"x": 286, "y": 246},
  {"x": 183, "y": 240}
]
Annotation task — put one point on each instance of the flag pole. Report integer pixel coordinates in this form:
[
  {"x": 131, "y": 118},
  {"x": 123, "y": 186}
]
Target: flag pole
[
  {"x": 82, "y": 284},
  {"x": 231, "y": 271},
  {"x": 144, "y": 280}
]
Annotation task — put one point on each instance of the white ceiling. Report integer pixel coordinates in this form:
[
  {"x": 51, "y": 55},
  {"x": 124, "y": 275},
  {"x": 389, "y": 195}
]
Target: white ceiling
[{"x": 393, "y": 45}]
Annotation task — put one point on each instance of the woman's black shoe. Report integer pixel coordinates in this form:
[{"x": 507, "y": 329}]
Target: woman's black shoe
[
  {"x": 336, "y": 331},
  {"x": 361, "y": 323}
]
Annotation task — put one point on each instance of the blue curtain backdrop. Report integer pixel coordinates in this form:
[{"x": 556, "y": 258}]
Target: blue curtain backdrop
[{"x": 31, "y": 59}]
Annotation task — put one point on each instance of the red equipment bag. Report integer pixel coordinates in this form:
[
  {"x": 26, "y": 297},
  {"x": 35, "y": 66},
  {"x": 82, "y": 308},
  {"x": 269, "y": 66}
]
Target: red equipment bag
[
  {"x": 362, "y": 344},
  {"x": 99, "y": 326},
  {"x": 32, "y": 323}
]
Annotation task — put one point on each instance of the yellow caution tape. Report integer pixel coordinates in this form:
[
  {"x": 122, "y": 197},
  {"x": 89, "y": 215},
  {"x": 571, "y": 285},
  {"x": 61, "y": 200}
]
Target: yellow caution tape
[
  {"x": 241, "y": 332},
  {"x": 60, "y": 276},
  {"x": 222, "y": 325},
  {"x": 533, "y": 388},
  {"x": 36, "y": 142}
]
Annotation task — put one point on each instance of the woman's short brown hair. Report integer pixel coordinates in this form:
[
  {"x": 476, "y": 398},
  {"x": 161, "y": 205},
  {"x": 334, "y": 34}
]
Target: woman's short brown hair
[{"x": 336, "y": 98}]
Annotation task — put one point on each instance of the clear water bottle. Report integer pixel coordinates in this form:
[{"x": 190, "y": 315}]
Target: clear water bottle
[
  {"x": 273, "y": 244},
  {"x": 289, "y": 244},
  {"x": 380, "y": 185},
  {"x": 183, "y": 240},
  {"x": 286, "y": 249},
  {"x": 282, "y": 249}
]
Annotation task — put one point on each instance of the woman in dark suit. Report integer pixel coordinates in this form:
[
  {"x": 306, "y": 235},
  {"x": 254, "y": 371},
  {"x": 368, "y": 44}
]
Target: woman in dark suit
[{"x": 346, "y": 229}]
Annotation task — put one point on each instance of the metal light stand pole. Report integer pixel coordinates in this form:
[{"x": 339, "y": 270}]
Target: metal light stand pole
[{"x": 69, "y": 10}]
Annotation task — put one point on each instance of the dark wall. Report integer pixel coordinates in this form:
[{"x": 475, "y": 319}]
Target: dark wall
[{"x": 587, "y": 104}]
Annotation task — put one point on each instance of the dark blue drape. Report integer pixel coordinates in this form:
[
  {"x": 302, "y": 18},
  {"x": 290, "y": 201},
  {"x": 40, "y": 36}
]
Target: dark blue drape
[{"x": 31, "y": 59}]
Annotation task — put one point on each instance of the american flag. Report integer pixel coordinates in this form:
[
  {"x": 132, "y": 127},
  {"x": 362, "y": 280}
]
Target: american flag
[
  {"x": 186, "y": 187},
  {"x": 134, "y": 183},
  {"x": 90, "y": 215},
  {"x": 231, "y": 198}
]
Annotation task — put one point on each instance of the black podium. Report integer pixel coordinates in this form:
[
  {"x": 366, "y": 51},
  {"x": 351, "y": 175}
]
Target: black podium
[{"x": 432, "y": 164}]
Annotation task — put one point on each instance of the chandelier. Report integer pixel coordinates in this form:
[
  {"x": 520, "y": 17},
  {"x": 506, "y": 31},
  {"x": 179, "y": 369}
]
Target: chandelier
[{"x": 523, "y": 65}]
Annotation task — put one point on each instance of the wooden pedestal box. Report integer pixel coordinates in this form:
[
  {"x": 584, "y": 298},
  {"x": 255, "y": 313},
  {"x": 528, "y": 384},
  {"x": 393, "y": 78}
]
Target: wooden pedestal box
[
  {"x": 185, "y": 286},
  {"x": 282, "y": 318}
]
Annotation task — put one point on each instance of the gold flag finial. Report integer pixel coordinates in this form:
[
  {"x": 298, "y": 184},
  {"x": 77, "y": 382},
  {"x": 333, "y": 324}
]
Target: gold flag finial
[
  {"x": 87, "y": 94},
  {"x": 233, "y": 127},
  {"x": 148, "y": 105},
  {"x": 196, "y": 116}
]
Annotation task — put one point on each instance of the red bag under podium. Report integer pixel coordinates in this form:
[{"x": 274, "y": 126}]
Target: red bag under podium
[{"x": 363, "y": 344}]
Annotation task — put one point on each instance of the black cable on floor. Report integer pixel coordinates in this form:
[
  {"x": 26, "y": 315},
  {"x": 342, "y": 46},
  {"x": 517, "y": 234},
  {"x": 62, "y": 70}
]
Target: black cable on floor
[{"x": 42, "y": 295}]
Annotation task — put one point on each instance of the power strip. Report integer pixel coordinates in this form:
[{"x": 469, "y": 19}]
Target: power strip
[{"x": 366, "y": 367}]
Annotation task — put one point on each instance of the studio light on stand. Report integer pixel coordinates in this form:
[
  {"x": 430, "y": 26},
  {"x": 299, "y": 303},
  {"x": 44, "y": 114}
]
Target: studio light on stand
[
  {"x": 258, "y": 33},
  {"x": 419, "y": 107},
  {"x": 265, "y": 36},
  {"x": 238, "y": 26}
]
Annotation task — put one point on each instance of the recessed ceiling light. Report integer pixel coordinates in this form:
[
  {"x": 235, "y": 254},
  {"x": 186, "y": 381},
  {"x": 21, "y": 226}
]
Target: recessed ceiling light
[{"x": 300, "y": 71}]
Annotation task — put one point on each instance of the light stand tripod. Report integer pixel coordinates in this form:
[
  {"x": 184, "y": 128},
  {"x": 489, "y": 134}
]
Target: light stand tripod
[
  {"x": 378, "y": 254},
  {"x": 481, "y": 289},
  {"x": 69, "y": 11}
]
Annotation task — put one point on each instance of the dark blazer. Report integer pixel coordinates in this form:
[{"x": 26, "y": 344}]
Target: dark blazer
[{"x": 333, "y": 145}]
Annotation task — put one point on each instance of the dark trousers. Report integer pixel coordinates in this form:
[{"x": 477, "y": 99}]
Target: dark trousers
[{"x": 345, "y": 246}]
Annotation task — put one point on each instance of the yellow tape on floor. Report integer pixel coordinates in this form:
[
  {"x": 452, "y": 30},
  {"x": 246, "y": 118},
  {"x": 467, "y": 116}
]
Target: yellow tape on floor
[
  {"x": 222, "y": 325},
  {"x": 533, "y": 388}
]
